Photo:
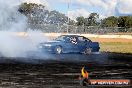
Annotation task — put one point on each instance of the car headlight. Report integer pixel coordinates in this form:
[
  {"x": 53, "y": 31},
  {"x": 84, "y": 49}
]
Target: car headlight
[{"x": 48, "y": 45}]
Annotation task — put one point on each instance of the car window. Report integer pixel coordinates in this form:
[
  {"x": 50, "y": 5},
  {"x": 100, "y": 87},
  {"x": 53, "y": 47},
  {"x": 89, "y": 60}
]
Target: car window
[
  {"x": 67, "y": 39},
  {"x": 81, "y": 39},
  {"x": 88, "y": 40},
  {"x": 73, "y": 40},
  {"x": 60, "y": 38}
]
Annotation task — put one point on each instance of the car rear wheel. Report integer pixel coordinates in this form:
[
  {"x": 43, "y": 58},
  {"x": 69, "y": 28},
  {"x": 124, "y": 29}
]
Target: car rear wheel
[
  {"x": 88, "y": 51},
  {"x": 58, "y": 49}
]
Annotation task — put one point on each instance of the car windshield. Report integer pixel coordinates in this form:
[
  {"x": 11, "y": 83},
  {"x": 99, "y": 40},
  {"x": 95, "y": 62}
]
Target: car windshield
[{"x": 60, "y": 38}]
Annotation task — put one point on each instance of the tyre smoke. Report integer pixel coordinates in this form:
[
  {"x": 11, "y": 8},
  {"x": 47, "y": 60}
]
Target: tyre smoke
[{"x": 14, "y": 42}]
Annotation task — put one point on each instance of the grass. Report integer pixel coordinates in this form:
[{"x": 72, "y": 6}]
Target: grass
[{"x": 119, "y": 47}]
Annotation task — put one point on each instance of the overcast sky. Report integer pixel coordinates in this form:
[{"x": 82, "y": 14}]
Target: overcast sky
[{"x": 104, "y": 8}]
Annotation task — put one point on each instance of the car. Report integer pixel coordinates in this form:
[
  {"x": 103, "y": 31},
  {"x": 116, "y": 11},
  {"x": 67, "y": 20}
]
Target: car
[{"x": 69, "y": 44}]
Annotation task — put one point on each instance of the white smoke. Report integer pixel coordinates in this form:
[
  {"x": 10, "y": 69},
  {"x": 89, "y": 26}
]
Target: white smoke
[
  {"x": 12, "y": 22},
  {"x": 10, "y": 17},
  {"x": 14, "y": 44}
]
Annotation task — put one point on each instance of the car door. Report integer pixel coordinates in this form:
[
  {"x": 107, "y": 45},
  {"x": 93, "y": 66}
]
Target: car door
[
  {"x": 81, "y": 43},
  {"x": 71, "y": 44}
]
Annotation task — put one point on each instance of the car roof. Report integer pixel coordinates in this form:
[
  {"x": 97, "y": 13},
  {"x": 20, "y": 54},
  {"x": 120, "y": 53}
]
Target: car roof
[{"x": 72, "y": 35}]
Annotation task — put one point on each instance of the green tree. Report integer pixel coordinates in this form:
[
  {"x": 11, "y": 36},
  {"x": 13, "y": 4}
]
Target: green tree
[
  {"x": 129, "y": 22},
  {"x": 92, "y": 20},
  {"x": 121, "y": 21},
  {"x": 109, "y": 22},
  {"x": 125, "y": 21},
  {"x": 29, "y": 8},
  {"x": 37, "y": 14},
  {"x": 80, "y": 21}
]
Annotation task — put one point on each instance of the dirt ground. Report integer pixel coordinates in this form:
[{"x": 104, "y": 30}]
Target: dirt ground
[{"x": 63, "y": 71}]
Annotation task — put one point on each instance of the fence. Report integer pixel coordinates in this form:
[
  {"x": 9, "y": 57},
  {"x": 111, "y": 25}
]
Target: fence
[{"x": 48, "y": 28}]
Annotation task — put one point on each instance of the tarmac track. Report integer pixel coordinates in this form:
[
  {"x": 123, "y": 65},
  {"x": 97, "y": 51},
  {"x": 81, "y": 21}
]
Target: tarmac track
[{"x": 62, "y": 71}]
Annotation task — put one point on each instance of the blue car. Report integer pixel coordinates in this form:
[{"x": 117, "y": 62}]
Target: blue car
[{"x": 70, "y": 44}]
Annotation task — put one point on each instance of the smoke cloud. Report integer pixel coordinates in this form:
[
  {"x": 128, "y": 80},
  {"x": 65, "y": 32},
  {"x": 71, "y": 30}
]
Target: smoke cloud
[{"x": 12, "y": 23}]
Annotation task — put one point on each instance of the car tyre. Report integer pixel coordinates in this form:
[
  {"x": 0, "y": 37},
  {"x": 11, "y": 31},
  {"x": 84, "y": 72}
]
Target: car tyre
[
  {"x": 58, "y": 49},
  {"x": 88, "y": 51}
]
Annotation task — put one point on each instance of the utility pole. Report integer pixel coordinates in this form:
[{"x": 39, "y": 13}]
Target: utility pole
[{"x": 68, "y": 16}]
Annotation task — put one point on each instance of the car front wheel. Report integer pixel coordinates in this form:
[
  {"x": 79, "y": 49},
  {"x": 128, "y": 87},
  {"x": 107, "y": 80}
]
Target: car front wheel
[{"x": 58, "y": 49}]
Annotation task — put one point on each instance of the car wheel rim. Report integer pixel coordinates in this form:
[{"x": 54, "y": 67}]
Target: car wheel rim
[
  {"x": 58, "y": 50},
  {"x": 88, "y": 51}
]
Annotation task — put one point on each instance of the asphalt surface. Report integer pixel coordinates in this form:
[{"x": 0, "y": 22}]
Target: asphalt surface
[{"x": 62, "y": 71}]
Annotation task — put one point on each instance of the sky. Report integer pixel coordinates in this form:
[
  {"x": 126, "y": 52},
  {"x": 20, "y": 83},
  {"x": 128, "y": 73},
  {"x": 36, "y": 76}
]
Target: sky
[{"x": 77, "y": 8}]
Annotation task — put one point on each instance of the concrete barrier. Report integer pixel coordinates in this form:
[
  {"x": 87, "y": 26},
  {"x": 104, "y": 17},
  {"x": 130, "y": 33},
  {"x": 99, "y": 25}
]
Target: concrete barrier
[
  {"x": 92, "y": 35},
  {"x": 53, "y": 35}
]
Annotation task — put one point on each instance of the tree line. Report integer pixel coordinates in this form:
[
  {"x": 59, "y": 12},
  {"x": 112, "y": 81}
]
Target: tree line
[
  {"x": 37, "y": 14},
  {"x": 112, "y": 21}
]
